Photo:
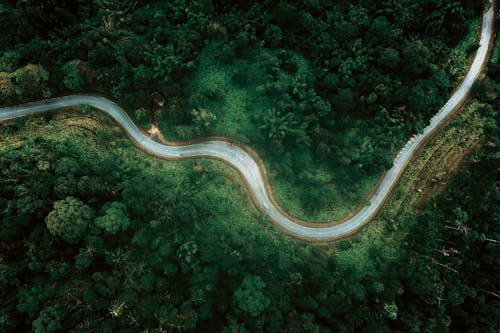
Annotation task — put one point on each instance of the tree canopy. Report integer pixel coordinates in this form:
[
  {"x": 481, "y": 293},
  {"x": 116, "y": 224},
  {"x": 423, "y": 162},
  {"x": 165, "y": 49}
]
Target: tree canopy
[{"x": 97, "y": 237}]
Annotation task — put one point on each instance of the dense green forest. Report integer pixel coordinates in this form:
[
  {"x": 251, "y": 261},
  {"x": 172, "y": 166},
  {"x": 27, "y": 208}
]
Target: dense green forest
[
  {"x": 322, "y": 90},
  {"x": 98, "y": 237}
]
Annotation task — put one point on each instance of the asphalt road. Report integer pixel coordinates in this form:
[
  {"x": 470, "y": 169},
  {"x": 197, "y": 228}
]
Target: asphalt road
[{"x": 249, "y": 169}]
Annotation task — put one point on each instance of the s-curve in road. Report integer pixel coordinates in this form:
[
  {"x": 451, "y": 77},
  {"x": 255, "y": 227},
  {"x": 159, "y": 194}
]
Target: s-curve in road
[{"x": 249, "y": 169}]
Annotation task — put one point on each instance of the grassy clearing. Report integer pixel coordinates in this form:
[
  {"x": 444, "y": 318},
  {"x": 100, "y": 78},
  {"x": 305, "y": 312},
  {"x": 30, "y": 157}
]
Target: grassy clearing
[
  {"x": 339, "y": 200},
  {"x": 215, "y": 87}
]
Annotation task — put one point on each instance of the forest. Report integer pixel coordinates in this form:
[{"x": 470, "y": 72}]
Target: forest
[
  {"x": 98, "y": 237},
  {"x": 322, "y": 90}
]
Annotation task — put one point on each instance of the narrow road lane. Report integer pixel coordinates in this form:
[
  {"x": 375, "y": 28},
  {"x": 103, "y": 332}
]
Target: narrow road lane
[{"x": 249, "y": 169}]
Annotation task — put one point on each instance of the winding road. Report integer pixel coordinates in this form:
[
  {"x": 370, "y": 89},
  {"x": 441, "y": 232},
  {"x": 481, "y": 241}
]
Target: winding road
[{"x": 248, "y": 167}]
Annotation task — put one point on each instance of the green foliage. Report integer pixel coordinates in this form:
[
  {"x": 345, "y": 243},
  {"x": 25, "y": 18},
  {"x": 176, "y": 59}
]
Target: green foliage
[
  {"x": 4, "y": 273},
  {"x": 162, "y": 58},
  {"x": 69, "y": 219},
  {"x": 72, "y": 78},
  {"x": 177, "y": 246},
  {"x": 325, "y": 67},
  {"x": 188, "y": 257},
  {"x": 202, "y": 118},
  {"x": 48, "y": 321},
  {"x": 115, "y": 218},
  {"x": 284, "y": 127},
  {"x": 417, "y": 57},
  {"x": 389, "y": 58},
  {"x": 391, "y": 311},
  {"x": 29, "y": 82},
  {"x": 83, "y": 259},
  {"x": 9, "y": 61},
  {"x": 250, "y": 297}
]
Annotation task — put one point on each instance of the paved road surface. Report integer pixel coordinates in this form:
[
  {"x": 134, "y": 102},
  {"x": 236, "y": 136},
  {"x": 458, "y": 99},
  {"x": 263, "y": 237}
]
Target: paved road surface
[{"x": 249, "y": 168}]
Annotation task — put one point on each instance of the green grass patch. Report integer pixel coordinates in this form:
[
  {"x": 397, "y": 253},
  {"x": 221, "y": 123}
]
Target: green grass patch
[{"x": 227, "y": 90}]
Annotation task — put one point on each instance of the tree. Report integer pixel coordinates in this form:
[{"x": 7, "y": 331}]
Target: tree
[
  {"x": 72, "y": 78},
  {"x": 343, "y": 102},
  {"x": 8, "y": 61},
  {"x": 6, "y": 86},
  {"x": 273, "y": 35},
  {"x": 4, "y": 272},
  {"x": 379, "y": 31},
  {"x": 287, "y": 16},
  {"x": 202, "y": 118},
  {"x": 84, "y": 258},
  {"x": 285, "y": 126},
  {"x": 49, "y": 320},
  {"x": 417, "y": 57},
  {"x": 30, "y": 82},
  {"x": 390, "y": 310},
  {"x": 250, "y": 297},
  {"x": 389, "y": 58},
  {"x": 183, "y": 270},
  {"x": 69, "y": 219},
  {"x": 163, "y": 59},
  {"x": 115, "y": 218}
]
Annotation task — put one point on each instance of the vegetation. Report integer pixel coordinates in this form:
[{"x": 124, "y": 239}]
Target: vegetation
[
  {"x": 322, "y": 90},
  {"x": 97, "y": 237},
  {"x": 161, "y": 250}
]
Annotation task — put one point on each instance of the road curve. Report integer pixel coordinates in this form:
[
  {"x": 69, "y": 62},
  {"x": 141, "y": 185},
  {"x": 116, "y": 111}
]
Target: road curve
[{"x": 249, "y": 169}]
